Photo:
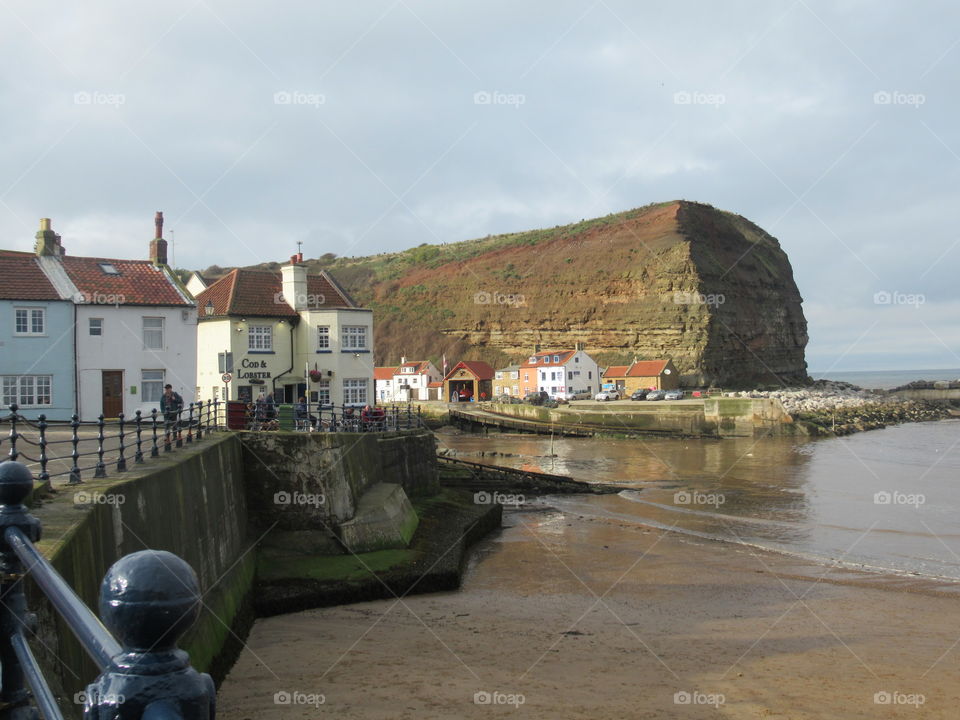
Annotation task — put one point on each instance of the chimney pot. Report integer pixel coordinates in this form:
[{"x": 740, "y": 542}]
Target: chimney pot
[{"x": 44, "y": 223}]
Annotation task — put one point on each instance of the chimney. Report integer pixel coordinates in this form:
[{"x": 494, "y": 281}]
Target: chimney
[
  {"x": 403, "y": 360},
  {"x": 158, "y": 246},
  {"x": 536, "y": 348},
  {"x": 48, "y": 242},
  {"x": 295, "y": 285}
]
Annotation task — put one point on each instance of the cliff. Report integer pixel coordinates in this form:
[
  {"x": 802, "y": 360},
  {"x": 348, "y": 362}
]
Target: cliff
[{"x": 680, "y": 279}]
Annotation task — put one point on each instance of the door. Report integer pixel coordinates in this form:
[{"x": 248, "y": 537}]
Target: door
[{"x": 112, "y": 393}]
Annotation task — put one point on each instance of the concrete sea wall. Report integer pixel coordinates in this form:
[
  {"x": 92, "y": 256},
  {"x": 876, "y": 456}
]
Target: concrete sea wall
[
  {"x": 211, "y": 504},
  {"x": 193, "y": 505}
]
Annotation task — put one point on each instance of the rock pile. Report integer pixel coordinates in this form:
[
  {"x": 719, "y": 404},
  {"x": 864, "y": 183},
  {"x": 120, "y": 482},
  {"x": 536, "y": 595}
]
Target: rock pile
[
  {"x": 822, "y": 395},
  {"x": 839, "y": 408}
]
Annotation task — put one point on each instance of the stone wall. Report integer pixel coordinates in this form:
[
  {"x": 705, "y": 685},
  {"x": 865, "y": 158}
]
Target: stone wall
[{"x": 191, "y": 504}]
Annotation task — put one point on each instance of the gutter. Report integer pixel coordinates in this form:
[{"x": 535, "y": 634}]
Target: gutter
[{"x": 273, "y": 382}]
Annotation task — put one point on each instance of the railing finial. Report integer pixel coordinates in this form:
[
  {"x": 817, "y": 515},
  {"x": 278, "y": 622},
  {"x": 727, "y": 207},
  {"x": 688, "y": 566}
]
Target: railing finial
[{"x": 148, "y": 599}]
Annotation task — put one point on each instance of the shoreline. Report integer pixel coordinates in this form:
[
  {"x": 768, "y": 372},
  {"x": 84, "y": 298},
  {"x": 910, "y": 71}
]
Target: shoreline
[{"x": 769, "y": 633}]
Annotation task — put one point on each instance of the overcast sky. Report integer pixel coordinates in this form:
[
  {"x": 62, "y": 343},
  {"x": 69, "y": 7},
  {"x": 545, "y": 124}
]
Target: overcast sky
[{"x": 365, "y": 127}]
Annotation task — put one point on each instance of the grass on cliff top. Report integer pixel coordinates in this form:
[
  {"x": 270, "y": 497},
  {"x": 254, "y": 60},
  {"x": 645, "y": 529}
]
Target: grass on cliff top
[
  {"x": 352, "y": 272},
  {"x": 272, "y": 566}
]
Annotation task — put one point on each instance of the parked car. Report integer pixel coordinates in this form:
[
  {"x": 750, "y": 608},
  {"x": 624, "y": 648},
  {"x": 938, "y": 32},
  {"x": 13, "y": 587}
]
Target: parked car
[
  {"x": 508, "y": 399},
  {"x": 537, "y": 397},
  {"x": 639, "y": 395},
  {"x": 607, "y": 395},
  {"x": 673, "y": 395},
  {"x": 656, "y": 395},
  {"x": 568, "y": 396}
]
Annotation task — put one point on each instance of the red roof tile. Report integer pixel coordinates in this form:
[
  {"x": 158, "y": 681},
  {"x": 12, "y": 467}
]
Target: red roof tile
[
  {"x": 259, "y": 293},
  {"x": 22, "y": 278},
  {"x": 617, "y": 371},
  {"x": 383, "y": 373},
  {"x": 478, "y": 368},
  {"x": 136, "y": 282},
  {"x": 647, "y": 368}
]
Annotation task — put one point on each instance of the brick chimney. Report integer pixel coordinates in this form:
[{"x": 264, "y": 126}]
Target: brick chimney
[
  {"x": 158, "y": 246},
  {"x": 48, "y": 242}
]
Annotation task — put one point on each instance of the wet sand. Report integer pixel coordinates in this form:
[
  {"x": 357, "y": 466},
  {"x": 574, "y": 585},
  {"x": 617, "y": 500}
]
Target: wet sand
[{"x": 593, "y": 618}]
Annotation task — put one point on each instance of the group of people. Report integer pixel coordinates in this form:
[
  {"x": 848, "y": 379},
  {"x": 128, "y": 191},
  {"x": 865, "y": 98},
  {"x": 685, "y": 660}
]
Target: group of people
[{"x": 262, "y": 413}]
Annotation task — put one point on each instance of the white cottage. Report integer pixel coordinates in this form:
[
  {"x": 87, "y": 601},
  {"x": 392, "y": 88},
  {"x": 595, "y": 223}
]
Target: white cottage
[
  {"x": 288, "y": 333},
  {"x": 135, "y": 326}
]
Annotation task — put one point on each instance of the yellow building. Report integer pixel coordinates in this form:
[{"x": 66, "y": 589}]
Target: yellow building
[{"x": 643, "y": 375}]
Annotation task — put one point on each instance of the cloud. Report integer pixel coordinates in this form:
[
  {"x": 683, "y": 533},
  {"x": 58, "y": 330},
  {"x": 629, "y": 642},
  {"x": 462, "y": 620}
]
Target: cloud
[{"x": 377, "y": 142}]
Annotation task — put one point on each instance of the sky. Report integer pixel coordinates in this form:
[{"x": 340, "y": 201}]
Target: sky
[{"x": 358, "y": 128}]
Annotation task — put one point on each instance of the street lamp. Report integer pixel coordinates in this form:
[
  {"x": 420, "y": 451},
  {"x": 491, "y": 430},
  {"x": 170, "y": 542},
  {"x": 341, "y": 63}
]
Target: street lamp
[{"x": 208, "y": 309}]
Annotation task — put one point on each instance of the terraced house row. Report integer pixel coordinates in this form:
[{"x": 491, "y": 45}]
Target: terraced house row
[{"x": 92, "y": 336}]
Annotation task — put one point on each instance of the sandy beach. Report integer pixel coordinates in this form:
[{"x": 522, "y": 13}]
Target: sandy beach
[{"x": 563, "y": 616}]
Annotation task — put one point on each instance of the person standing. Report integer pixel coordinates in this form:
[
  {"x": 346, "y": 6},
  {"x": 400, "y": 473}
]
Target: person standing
[{"x": 171, "y": 405}]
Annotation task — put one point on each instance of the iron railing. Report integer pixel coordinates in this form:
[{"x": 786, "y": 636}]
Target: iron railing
[
  {"x": 116, "y": 441},
  {"x": 323, "y": 417},
  {"x": 148, "y": 600}
]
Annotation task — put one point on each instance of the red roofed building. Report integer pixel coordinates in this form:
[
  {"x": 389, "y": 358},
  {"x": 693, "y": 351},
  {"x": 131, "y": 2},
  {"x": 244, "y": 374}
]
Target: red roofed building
[
  {"x": 383, "y": 383},
  {"x": 469, "y": 380},
  {"x": 412, "y": 378},
  {"x": 643, "y": 375},
  {"x": 563, "y": 374},
  {"x": 287, "y": 333},
  {"x": 37, "y": 368},
  {"x": 135, "y": 326}
]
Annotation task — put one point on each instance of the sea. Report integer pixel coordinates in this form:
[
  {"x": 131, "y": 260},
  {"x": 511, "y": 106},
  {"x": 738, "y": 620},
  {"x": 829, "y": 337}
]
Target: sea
[
  {"x": 883, "y": 501},
  {"x": 886, "y": 379}
]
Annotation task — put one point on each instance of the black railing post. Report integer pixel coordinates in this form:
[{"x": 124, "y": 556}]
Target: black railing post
[
  {"x": 42, "y": 426},
  {"x": 199, "y": 419},
  {"x": 177, "y": 428},
  {"x": 101, "y": 471},
  {"x": 121, "y": 459},
  {"x": 190, "y": 425},
  {"x": 16, "y": 483},
  {"x": 13, "y": 455},
  {"x": 148, "y": 600},
  {"x": 419, "y": 416},
  {"x": 138, "y": 455},
  {"x": 216, "y": 415},
  {"x": 154, "y": 451},
  {"x": 75, "y": 454}
]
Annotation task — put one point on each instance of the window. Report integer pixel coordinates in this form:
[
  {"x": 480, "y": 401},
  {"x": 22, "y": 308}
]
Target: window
[
  {"x": 151, "y": 385},
  {"x": 323, "y": 337},
  {"x": 96, "y": 326},
  {"x": 556, "y": 358},
  {"x": 30, "y": 321},
  {"x": 108, "y": 269},
  {"x": 27, "y": 390},
  {"x": 570, "y": 375},
  {"x": 354, "y": 391},
  {"x": 260, "y": 338},
  {"x": 590, "y": 374},
  {"x": 532, "y": 359},
  {"x": 323, "y": 393},
  {"x": 354, "y": 337},
  {"x": 153, "y": 333}
]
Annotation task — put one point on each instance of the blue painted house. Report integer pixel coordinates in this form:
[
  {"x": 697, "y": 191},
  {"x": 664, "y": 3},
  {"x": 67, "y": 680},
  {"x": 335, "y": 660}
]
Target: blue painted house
[{"x": 37, "y": 365}]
